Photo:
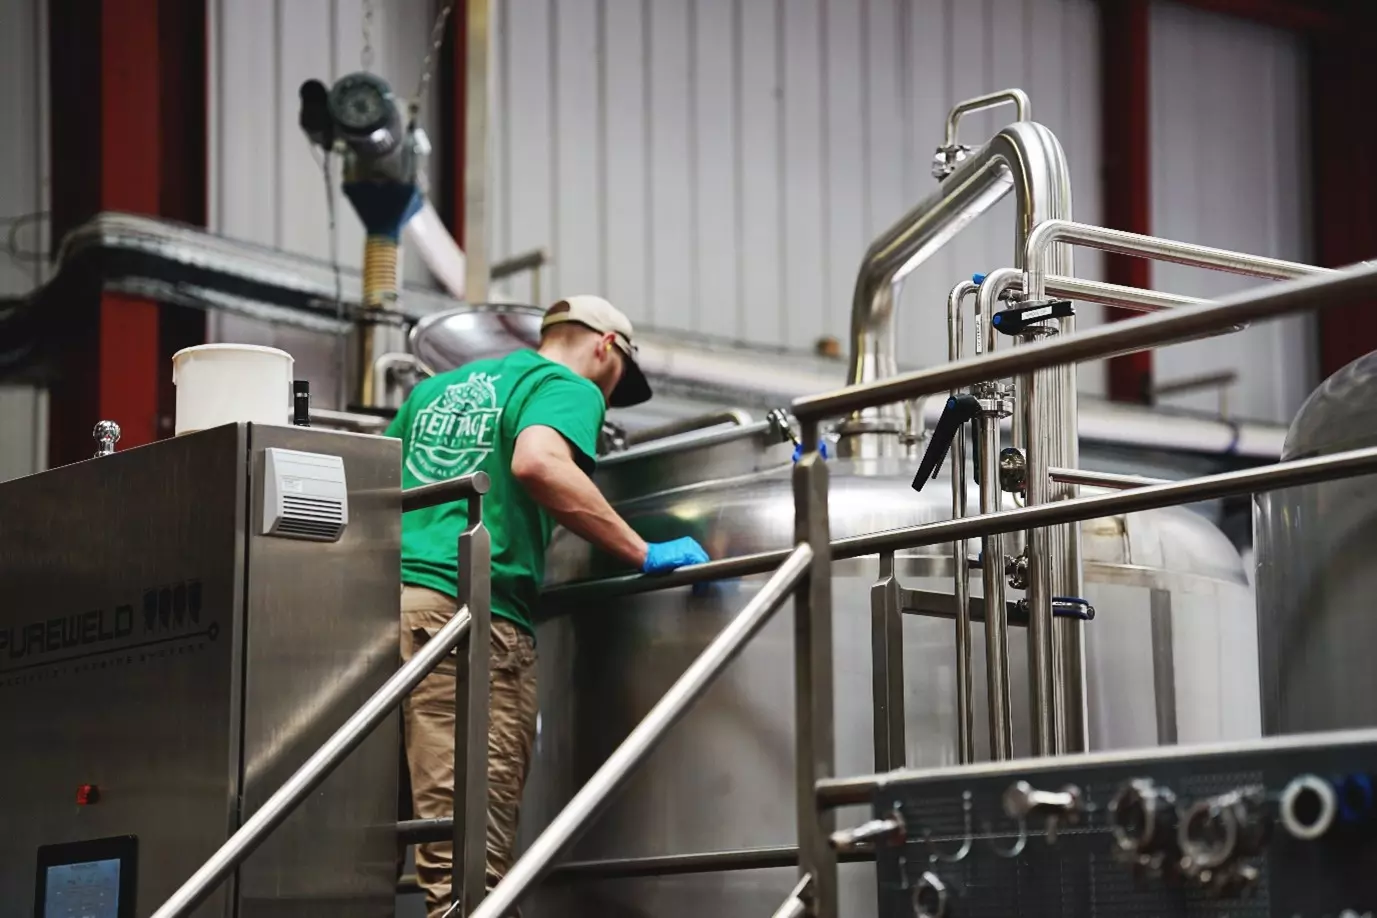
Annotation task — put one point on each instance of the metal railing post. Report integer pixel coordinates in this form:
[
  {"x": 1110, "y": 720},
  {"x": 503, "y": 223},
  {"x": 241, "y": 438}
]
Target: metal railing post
[
  {"x": 687, "y": 689},
  {"x": 468, "y": 876},
  {"x": 815, "y": 748},
  {"x": 887, "y": 666},
  {"x": 960, "y": 549}
]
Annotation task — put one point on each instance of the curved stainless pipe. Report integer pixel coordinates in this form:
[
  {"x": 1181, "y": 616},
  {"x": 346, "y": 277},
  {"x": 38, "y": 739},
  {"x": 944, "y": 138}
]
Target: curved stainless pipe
[
  {"x": 1044, "y": 235},
  {"x": 1024, "y": 157},
  {"x": 1016, "y": 97}
]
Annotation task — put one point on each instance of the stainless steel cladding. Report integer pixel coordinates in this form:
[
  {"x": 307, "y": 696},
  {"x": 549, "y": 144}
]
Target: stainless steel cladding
[
  {"x": 154, "y": 644},
  {"x": 1170, "y": 658},
  {"x": 1315, "y": 573}
]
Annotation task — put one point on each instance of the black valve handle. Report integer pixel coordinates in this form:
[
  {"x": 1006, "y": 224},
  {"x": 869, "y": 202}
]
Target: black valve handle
[
  {"x": 958, "y": 410},
  {"x": 1062, "y": 607},
  {"x": 1015, "y": 321}
]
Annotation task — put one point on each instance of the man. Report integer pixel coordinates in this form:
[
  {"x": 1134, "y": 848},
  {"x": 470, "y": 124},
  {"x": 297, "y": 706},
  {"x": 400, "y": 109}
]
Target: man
[{"x": 531, "y": 421}]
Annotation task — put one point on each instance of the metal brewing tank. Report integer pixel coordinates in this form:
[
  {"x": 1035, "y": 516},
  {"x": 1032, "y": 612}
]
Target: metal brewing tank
[
  {"x": 1314, "y": 570},
  {"x": 1170, "y": 657}
]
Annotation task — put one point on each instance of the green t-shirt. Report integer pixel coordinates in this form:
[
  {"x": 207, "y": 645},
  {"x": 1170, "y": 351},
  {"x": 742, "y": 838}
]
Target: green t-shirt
[{"x": 468, "y": 420}]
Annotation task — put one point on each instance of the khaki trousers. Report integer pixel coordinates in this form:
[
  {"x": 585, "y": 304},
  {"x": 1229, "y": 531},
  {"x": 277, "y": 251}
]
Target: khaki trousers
[{"x": 428, "y": 716}]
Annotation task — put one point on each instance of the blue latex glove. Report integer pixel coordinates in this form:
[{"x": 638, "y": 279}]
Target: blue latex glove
[
  {"x": 822, "y": 448},
  {"x": 666, "y": 556}
]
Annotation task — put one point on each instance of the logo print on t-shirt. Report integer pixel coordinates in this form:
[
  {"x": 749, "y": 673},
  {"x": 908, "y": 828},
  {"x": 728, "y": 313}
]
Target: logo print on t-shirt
[{"x": 453, "y": 434}]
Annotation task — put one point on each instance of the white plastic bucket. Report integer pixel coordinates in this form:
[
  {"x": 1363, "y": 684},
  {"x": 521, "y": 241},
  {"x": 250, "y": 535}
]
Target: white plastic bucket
[{"x": 229, "y": 383}]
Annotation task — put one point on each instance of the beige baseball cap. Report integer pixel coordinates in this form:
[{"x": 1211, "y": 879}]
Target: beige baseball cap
[{"x": 601, "y": 316}]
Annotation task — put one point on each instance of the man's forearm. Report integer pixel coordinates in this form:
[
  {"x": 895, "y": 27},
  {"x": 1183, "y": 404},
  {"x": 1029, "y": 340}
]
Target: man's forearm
[{"x": 578, "y": 505}]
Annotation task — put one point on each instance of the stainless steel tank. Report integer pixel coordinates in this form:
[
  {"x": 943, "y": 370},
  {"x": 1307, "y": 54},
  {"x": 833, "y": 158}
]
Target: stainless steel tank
[
  {"x": 1315, "y": 575},
  {"x": 1170, "y": 657}
]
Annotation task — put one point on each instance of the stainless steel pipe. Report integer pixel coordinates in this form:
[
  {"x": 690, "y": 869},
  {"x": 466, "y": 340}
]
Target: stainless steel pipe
[
  {"x": 1044, "y": 254},
  {"x": 315, "y": 770},
  {"x": 574, "y": 818},
  {"x": 961, "y": 572},
  {"x": 992, "y": 581},
  {"x": 1051, "y": 232},
  {"x": 995, "y": 286},
  {"x": 1015, "y": 97},
  {"x": 1349, "y": 285},
  {"x": 1025, "y": 157}
]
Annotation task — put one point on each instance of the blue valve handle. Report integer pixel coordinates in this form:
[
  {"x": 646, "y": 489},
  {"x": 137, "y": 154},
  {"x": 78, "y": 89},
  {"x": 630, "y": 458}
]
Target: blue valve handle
[{"x": 822, "y": 448}]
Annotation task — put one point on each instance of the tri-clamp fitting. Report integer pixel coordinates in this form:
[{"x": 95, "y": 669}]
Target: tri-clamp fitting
[
  {"x": 106, "y": 435},
  {"x": 947, "y": 158},
  {"x": 1013, "y": 470}
]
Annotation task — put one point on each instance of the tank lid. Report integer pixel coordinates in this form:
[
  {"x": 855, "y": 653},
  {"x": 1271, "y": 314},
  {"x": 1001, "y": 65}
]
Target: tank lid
[
  {"x": 445, "y": 340},
  {"x": 1340, "y": 414}
]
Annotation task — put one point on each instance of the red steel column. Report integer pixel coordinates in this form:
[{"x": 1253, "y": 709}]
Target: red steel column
[
  {"x": 1344, "y": 172},
  {"x": 1126, "y": 74},
  {"x": 128, "y": 88}
]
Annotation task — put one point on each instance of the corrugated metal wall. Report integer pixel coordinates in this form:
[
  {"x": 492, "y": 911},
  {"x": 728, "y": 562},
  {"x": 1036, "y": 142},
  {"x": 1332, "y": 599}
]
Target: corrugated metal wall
[
  {"x": 721, "y": 165},
  {"x": 23, "y": 201},
  {"x": 1230, "y": 161},
  {"x": 711, "y": 165}
]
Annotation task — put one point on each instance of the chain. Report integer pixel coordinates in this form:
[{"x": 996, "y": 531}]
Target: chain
[
  {"x": 437, "y": 40},
  {"x": 366, "y": 55}
]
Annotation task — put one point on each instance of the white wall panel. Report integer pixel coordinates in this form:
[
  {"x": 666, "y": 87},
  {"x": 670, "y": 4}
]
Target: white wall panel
[
  {"x": 24, "y": 178},
  {"x": 751, "y": 149},
  {"x": 719, "y": 166},
  {"x": 1229, "y": 169}
]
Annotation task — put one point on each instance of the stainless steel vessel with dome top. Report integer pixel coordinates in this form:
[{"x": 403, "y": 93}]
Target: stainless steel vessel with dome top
[
  {"x": 1169, "y": 656},
  {"x": 1316, "y": 579}
]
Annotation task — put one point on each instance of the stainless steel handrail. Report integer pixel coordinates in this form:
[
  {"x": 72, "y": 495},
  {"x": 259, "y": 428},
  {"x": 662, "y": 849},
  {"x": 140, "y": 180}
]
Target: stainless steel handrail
[
  {"x": 316, "y": 769},
  {"x": 1348, "y": 464},
  {"x": 732, "y": 416},
  {"x": 475, "y": 484},
  {"x": 1347, "y": 286},
  {"x": 796, "y": 906},
  {"x": 687, "y": 689},
  {"x": 1085, "y": 478},
  {"x": 350, "y": 420}
]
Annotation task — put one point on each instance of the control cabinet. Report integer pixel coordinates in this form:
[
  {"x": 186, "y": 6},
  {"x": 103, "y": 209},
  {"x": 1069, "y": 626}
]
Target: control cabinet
[
  {"x": 1284, "y": 827},
  {"x": 173, "y": 646}
]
